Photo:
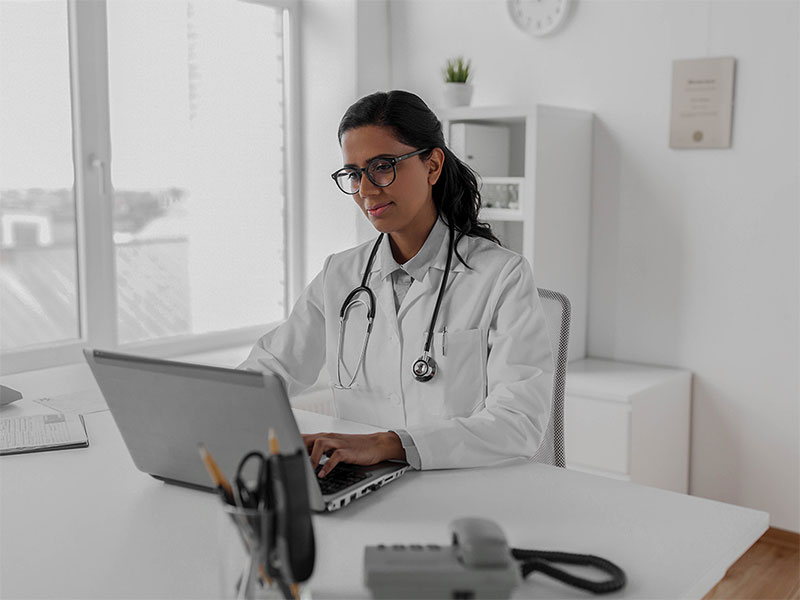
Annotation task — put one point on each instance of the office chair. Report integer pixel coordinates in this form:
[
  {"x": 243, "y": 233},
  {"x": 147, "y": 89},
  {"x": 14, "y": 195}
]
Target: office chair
[{"x": 557, "y": 315}]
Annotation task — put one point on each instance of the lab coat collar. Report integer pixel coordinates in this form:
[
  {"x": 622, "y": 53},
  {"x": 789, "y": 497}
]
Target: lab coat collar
[
  {"x": 463, "y": 245},
  {"x": 435, "y": 246}
]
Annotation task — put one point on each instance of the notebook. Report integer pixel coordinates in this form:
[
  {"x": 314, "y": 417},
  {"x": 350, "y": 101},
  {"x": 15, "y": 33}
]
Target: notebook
[{"x": 35, "y": 433}]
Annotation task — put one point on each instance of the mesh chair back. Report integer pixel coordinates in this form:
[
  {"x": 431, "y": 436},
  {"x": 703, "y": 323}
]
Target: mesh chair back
[{"x": 557, "y": 315}]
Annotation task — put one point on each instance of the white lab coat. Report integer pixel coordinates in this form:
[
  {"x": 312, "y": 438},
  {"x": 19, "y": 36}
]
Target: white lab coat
[{"x": 489, "y": 402}]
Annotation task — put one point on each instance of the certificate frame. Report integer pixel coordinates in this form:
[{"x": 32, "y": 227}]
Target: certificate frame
[{"x": 702, "y": 103}]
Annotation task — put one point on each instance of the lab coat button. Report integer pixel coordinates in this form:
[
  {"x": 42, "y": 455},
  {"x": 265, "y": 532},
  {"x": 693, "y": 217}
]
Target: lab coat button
[{"x": 394, "y": 399}]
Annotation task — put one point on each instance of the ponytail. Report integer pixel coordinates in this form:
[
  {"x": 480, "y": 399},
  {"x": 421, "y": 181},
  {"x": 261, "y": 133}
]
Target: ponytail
[{"x": 458, "y": 200}]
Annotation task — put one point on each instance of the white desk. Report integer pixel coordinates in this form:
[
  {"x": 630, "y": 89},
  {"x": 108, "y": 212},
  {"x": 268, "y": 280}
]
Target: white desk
[{"x": 85, "y": 523}]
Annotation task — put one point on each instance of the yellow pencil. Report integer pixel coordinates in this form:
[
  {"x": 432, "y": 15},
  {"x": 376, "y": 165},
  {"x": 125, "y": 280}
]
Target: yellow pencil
[
  {"x": 295, "y": 587},
  {"x": 215, "y": 472},
  {"x": 274, "y": 448}
]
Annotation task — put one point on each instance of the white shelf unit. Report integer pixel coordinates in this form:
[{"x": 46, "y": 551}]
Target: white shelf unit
[
  {"x": 628, "y": 421},
  {"x": 547, "y": 152}
]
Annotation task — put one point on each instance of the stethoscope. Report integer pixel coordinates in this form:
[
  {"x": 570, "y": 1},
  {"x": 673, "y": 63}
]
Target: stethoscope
[{"x": 424, "y": 368}]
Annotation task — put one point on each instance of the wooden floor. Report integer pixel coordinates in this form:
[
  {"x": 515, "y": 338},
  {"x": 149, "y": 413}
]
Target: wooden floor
[{"x": 770, "y": 569}]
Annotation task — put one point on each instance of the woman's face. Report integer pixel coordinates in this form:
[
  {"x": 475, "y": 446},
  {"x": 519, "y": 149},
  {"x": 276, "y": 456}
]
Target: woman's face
[{"x": 405, "y": 206}]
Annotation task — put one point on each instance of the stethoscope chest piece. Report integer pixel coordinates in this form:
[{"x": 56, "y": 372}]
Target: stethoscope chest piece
[{"x": 424, "y": 368}]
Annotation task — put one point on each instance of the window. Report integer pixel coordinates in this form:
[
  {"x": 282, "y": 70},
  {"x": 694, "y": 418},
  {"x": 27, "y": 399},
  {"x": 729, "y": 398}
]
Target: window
[
  {"x": 38, "y": 248},
  {"x": 174, "y": 236}
]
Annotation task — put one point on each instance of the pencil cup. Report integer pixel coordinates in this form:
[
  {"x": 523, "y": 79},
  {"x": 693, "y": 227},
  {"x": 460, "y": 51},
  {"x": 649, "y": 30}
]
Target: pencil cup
[{"x": 243, "y": 549}]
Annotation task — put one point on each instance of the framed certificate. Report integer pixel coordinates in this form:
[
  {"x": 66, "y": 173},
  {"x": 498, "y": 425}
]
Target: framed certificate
[{"x": 702, "y": 103}]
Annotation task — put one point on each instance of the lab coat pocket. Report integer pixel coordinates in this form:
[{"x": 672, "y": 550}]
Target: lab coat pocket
[
  {"x": 459, "y": 386},
  {"x": 359, "y": 405}
]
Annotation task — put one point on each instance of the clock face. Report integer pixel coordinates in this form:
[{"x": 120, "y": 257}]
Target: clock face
[{"x": 538, "y": 17}]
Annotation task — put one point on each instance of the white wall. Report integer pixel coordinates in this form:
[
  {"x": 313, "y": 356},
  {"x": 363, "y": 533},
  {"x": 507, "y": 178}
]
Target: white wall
[
  {"x": 328, "y": 81},
  {"x": 694, "y": 253}
]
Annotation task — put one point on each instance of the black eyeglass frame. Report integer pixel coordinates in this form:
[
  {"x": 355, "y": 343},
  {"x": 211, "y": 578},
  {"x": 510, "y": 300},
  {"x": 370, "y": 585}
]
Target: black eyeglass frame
[{"x": 392, "y": 160}]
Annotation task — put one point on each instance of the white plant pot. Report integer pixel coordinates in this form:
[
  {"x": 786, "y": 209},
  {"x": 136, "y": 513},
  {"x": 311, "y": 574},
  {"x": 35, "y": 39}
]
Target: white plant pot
[{"x": 457, "y": 94}]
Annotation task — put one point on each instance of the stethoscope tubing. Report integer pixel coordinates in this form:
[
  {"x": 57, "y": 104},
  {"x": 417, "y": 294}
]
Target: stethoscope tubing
[
  {"x": 441, "y": 293},
  {"x": 339, "y": 350},
  {"x": 349, "y": 302},
  {"x": 424, "y": 368}
]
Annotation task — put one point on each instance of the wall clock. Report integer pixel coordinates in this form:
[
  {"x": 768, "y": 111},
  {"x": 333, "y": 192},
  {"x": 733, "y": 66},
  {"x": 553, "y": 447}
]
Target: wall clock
[{"x": 538, "y": 17}]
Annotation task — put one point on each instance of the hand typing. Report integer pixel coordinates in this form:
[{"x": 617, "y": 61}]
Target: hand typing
[{"x": 356, "y": 449}]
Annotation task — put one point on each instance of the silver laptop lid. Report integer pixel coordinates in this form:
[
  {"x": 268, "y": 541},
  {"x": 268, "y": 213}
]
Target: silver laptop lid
[{"x": 164, "y": 409}]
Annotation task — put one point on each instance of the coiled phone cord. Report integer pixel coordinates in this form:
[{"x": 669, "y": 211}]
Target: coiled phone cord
[{"x": 538, "y": 560}]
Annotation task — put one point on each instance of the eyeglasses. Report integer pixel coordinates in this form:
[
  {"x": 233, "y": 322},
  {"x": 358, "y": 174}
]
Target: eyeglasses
[{"x": 381, "y": 171}]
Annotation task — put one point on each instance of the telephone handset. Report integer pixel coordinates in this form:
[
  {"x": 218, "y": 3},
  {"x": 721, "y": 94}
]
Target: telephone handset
[
  {"x": 480, "y": 544},
  {"x": 478, "y": 564}
]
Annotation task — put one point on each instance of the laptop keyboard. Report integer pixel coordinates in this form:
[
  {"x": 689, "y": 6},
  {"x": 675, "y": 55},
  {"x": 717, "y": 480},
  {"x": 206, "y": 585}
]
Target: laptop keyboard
[{"x": 340, "y": 477}]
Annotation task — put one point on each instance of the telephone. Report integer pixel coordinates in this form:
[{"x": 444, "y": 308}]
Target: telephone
[{"x": 478, "y": 564}]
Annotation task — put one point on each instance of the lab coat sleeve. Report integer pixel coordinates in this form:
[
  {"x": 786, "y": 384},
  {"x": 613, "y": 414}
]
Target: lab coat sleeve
[
  {"x": 412, "y": 456},
  {"x": 511, "y": 425},
  {"x": 295, "y": 349}
]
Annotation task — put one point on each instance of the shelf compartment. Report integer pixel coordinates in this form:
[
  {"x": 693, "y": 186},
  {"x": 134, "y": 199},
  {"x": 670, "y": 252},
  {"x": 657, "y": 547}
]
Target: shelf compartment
[
  {"x": 503, "y": 193},
  {"x": 501, "y": 214}
]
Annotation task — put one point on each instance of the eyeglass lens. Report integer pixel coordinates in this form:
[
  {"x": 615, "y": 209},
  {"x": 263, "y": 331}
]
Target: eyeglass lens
[{"x": 380, "y": 172}]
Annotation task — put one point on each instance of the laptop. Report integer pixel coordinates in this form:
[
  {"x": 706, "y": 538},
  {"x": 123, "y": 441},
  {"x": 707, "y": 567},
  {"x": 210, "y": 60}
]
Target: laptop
[{"x": 165, "y": 408}]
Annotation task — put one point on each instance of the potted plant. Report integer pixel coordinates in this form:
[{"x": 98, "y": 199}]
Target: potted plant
[{"x": 457, "y": 87}]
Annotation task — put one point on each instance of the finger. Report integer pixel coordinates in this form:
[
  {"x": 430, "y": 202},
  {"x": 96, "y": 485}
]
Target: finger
[
  {"x": 315, "y": 452},
  {"x": 309, "y": 439},
  {"x": 321, "y": 446},
  {"x": 335, "y": 458}
]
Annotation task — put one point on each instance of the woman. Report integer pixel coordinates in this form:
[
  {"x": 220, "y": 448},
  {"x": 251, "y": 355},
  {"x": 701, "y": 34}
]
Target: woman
[{"x": 476, "y": 392}]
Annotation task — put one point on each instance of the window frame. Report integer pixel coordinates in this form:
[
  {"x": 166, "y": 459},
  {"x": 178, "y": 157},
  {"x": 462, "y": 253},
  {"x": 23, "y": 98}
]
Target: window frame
[{"x": 91, "y": 145}]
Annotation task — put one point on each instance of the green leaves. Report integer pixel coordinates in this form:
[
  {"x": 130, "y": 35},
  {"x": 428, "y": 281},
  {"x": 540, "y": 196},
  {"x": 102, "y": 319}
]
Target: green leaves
[{"x": 457, "y": 70}]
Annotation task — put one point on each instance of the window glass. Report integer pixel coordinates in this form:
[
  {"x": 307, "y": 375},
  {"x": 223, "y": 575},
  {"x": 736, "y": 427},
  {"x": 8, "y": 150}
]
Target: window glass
[
  {"x": 38, "y": 251},
  {"x": 197, "y": 139}
]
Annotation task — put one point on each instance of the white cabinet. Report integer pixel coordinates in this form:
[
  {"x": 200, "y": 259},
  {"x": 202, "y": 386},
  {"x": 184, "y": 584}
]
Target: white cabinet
[
  {"x": 628, "y": 421},
  {"x": 535, "y": 167},
  {"x": 487, "y": 148}
]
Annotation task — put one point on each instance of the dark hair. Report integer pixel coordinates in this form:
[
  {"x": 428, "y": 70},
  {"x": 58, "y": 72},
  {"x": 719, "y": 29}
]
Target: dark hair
[{"x": 455, "y": 194}]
